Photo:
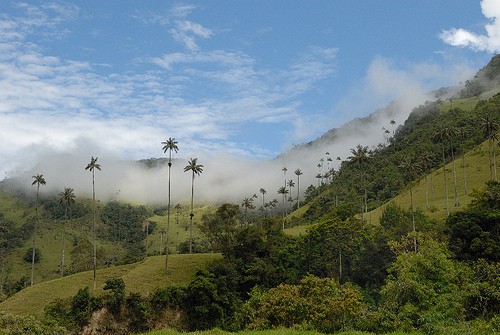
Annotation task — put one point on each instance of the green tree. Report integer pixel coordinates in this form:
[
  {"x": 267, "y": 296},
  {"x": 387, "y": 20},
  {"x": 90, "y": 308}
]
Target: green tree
[
  {"x": 247, "y": 203},
  {"x": 196, "y": 169},
  {"x": 38, "y": 180},
  {"x": 169, "y": 145},
  {"x": 203, "y": 303},
  {"x": 92, "y": 166},
  {"x": 474, "y": 232},
  {"x": 360, "y": 156},
  {"x": 67, "y": 198},
  {"x": 489, "y": 127},
  {"x": 298, "y": 173},
  {"x": 412, "y": 169},
  {"x": 283, "y": 191},
  {"x": 422, "y": 290},
  {"x": 263, "y": 192},
  {"x": 440, "y": 137},
  {"x": 220, "y": 227}
]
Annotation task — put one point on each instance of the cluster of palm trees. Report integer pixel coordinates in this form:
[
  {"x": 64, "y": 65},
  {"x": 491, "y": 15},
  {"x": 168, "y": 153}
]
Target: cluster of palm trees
[{"x": 67, "y": 198}]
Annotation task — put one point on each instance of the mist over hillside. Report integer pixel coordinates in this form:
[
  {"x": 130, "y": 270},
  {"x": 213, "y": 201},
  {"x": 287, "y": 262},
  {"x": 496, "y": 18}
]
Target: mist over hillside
[{"x": 225, "y": 177}]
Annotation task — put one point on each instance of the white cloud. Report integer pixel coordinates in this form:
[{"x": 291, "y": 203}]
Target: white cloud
[
  {"x": 186, "y": 32},
  {"x": 489, "y": 42}
]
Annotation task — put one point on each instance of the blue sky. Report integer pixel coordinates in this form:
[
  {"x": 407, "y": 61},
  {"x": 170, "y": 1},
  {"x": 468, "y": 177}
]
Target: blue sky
[{"x": 244, "y": 78}]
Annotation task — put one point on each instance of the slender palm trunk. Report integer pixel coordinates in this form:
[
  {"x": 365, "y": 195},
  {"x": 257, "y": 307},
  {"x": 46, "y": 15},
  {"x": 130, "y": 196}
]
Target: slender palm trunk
[
  {"x": 298, "y": 192},
  {"x": 33, "y": 252},
  {"x": 465, "y": 173},
  {"x": 445, "y": 182},
  {"x": 168, "y": 214},
  {"x": 489, "y": 158},
  {"x": 284, "y": 211},
  {"x": 191, "y": 217},
  {"x": 494, "y": 162},
  {"x": 413, "y": 220},
  {"x": 93, "y": 229},
  {"x": 432, "y": 188},
  {"x": 426, "y": 193},
  {"x": 63, "y": 240},
  {"x": 454, "y": 178}
]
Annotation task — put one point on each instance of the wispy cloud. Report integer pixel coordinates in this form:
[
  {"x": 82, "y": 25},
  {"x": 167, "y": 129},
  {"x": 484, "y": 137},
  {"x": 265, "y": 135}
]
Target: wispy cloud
[{"x": 489, "y": 42}]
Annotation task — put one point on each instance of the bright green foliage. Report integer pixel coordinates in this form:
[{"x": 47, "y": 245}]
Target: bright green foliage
[
  {"x": 315, "y": 303},
  {"x": 220, "y": 227},
  {"x": 21, "y": 325},
  {"x": 422, "y": 290}
]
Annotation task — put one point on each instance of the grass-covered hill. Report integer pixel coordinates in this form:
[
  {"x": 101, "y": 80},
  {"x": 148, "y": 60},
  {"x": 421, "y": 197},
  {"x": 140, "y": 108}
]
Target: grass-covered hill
[{"x": 141, "y": 277}]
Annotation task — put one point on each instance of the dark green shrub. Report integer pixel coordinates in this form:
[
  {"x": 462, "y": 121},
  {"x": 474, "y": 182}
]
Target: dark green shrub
[{"x": 28, "y": 256}]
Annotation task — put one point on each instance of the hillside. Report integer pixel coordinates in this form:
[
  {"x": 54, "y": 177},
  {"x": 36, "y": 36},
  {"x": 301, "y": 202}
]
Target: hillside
[{"x": 142, "y": 277}]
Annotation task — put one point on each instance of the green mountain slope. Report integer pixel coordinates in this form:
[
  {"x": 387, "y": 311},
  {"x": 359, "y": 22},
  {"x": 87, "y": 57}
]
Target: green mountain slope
[{"x": 142, "y": 277}]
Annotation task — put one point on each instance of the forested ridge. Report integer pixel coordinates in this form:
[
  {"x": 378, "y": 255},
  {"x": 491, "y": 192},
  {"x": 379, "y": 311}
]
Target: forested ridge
[{"x": 429, "y": 265}]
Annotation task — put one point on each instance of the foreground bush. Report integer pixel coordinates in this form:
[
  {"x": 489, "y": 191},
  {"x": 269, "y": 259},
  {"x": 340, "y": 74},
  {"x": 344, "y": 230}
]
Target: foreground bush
[
  {"x": 18, "y": 325},
  {"x": 315, "y": 303}
]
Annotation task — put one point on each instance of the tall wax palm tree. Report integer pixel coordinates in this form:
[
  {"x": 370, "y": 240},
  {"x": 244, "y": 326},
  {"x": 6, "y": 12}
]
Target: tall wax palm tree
[
  {"x": 412, "y": 169},
  {"x": 462, "y": 135},
  {"x": 360, "y": 155},
  {"x": 263, "y": 192},
  {"x": 320, "y": 166},
  {"x": 282, "y": 190},
  {"x": 178, "y": 209},
  {"x": 489, "y": 127},
  {"x": 451, "y": 133},
  {"x": 38, "y": 180},
  {"x": 298, "y": 173},
  {"x": 427, "y": 158},
  {"x": 440, "y": 137},
  {"x": 92, "y": 166},
  {"x": 393, "y": 123},
  {"x": 169, "y": 145},
  {"x": 196, "y": 169},
  {"x": 67, "y": 198},
  {"x": 290, "y": 184},
  {"x": 247, "y": 203}
]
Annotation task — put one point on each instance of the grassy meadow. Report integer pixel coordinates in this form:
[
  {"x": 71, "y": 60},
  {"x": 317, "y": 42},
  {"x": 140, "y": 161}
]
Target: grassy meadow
[{"x": 143, "y": 277}]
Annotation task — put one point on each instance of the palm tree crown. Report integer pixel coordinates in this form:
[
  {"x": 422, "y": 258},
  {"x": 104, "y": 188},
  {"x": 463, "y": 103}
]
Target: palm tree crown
[
  {"x": 93, "y": 164},
  {"x": 170, "y": 145},
  {"x": 193, "y": 166},
  {"x": 67, "y": 197}
]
